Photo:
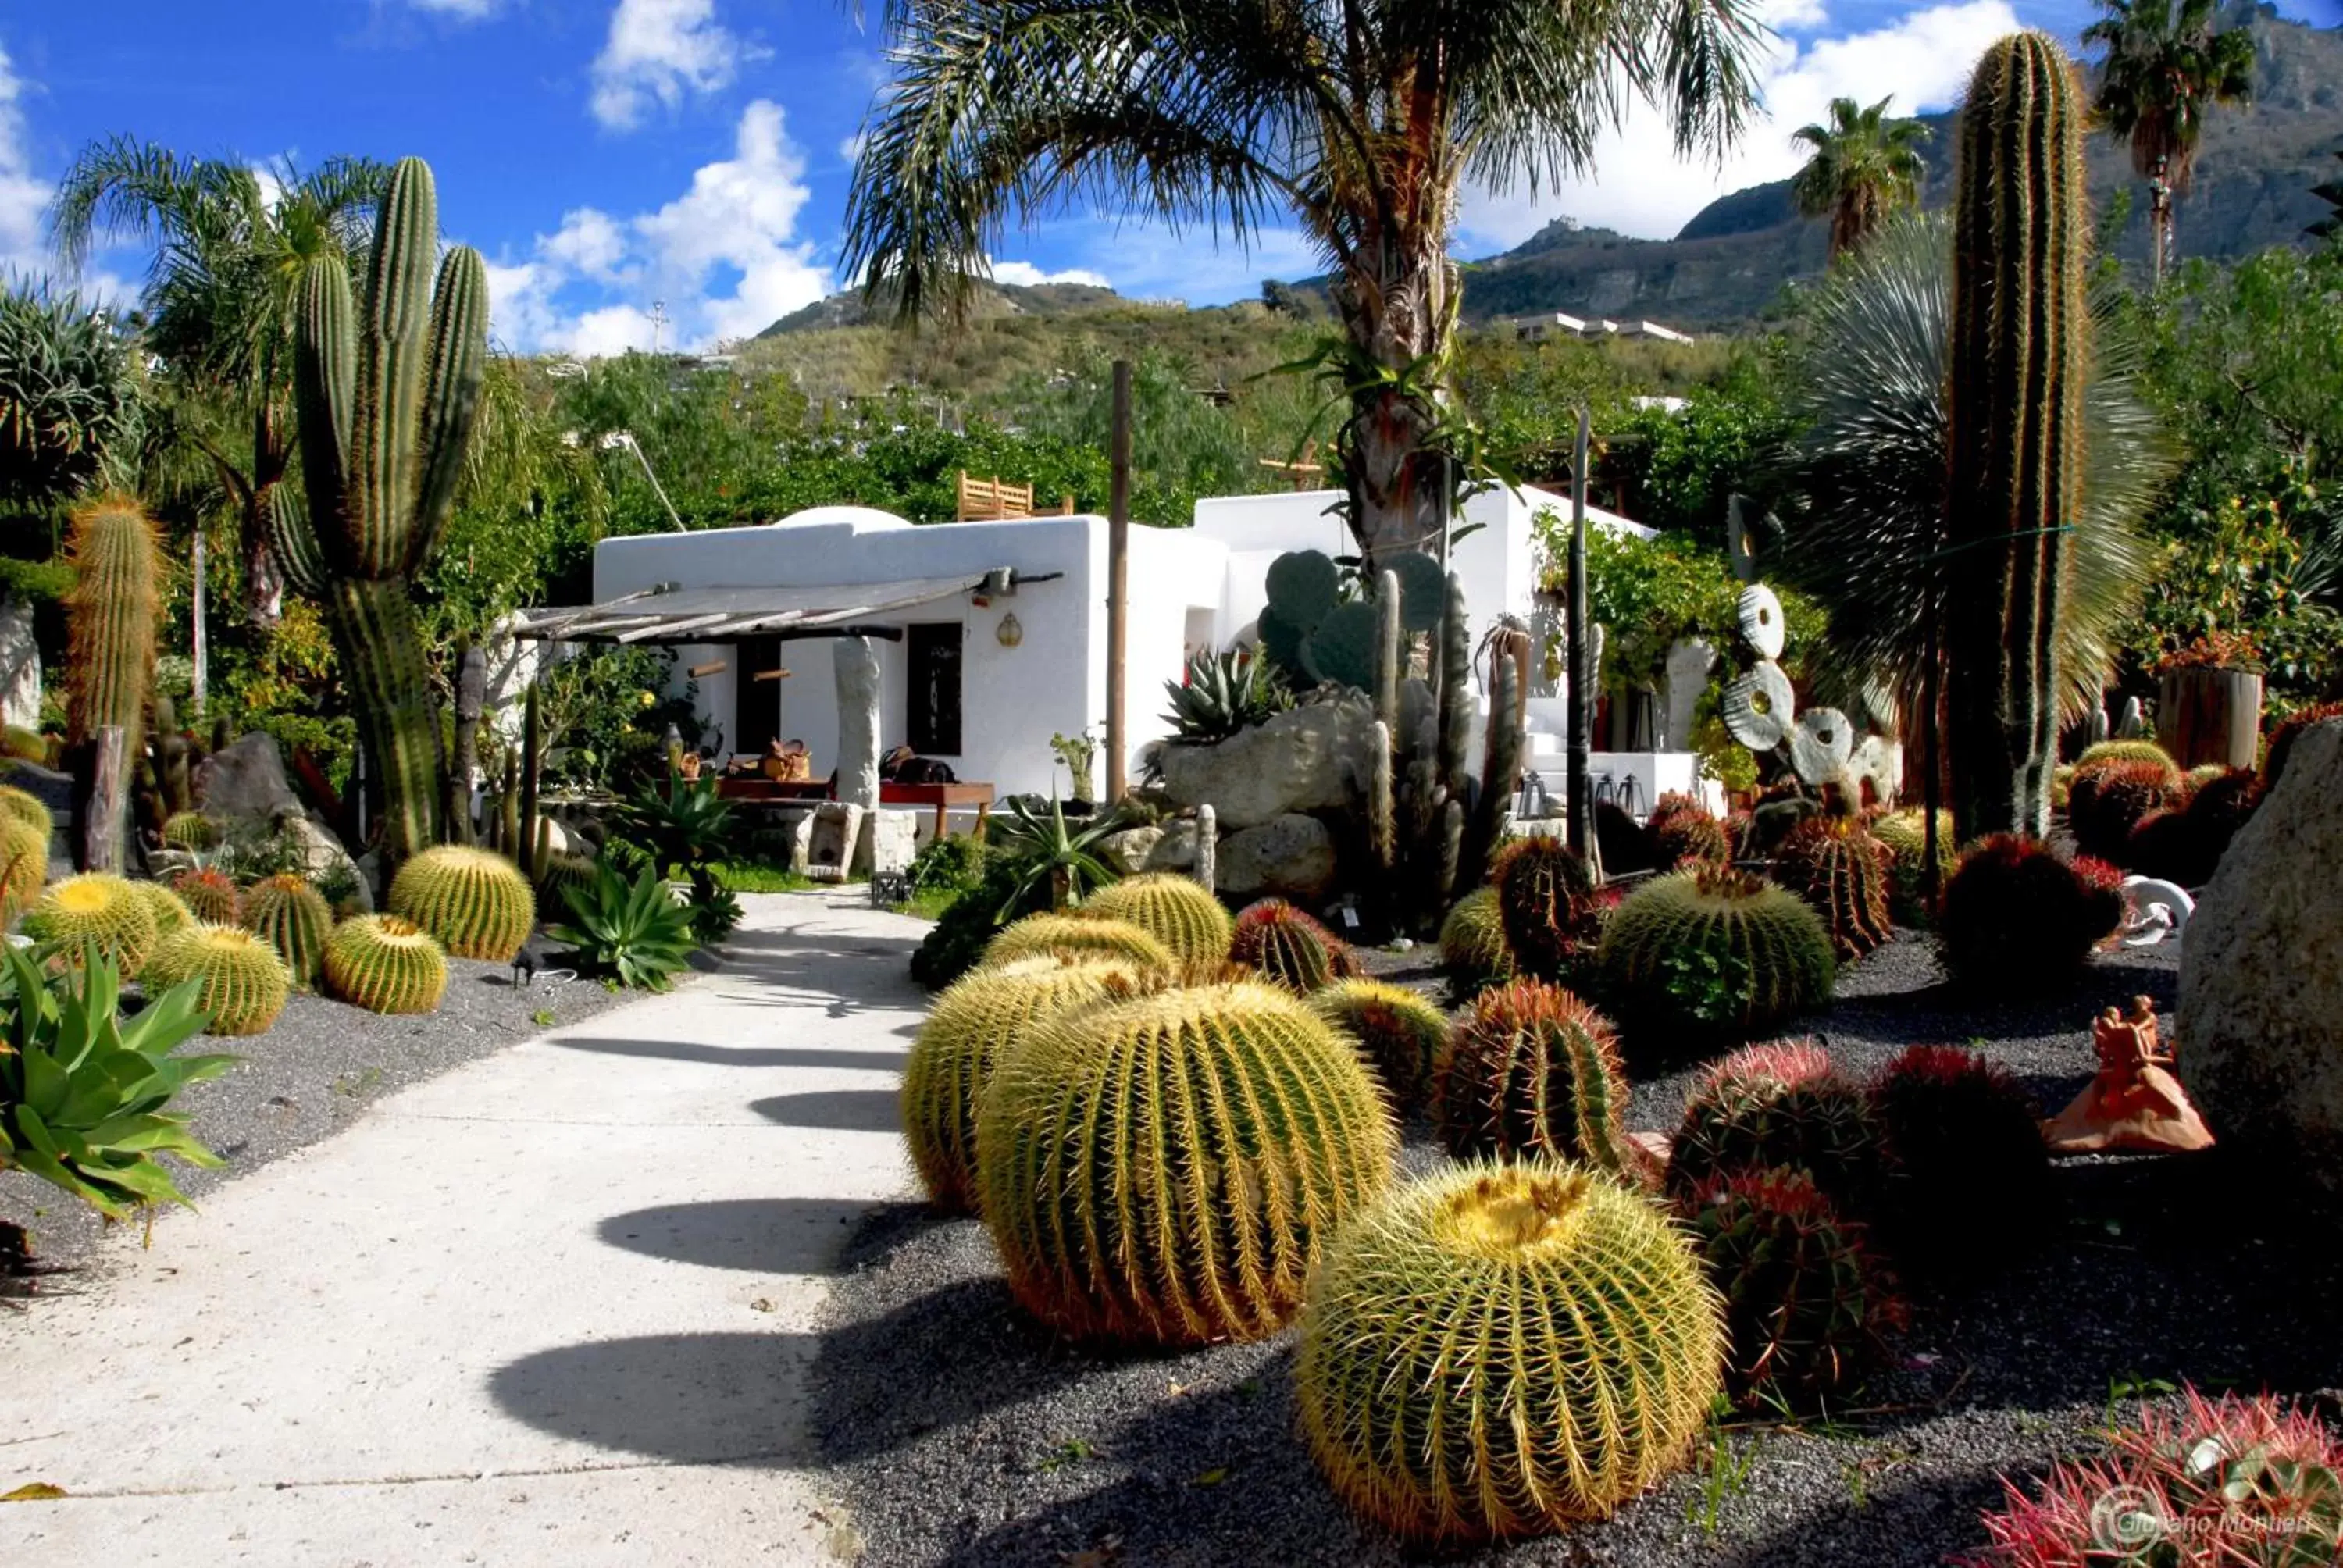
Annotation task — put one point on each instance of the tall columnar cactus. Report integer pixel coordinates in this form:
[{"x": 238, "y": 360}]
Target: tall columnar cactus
[
  {"x": 1843, "y": 872},
  {"x": 110, "y": 614},
  {"x": 1168, "y": 1167},
  {"x": 1782, "y": 1105},
  {"x": 1500, "y": 758},
  {"x": 244, "y": 981},
  {"x": 1505, "y": 1349},
  {"x": 1545, "y": 896},
  {"x": 1808, "y": 1305},
  {"x": 1713, "y": 954},
  {"x": 1287, "y": 948},
  {"x": 1403, "y": 1037},
  {"x": 974, "y": 1023},
  {"x": 385, "y": 964},
  {"x": 1182, "y": 914},
  {"x": 2020, "y": 358},
  {"x": 474, "y": 902},
  {"x": 293, "y": 917},
  {"x": 1079, "y": 938},
  {"x": 388, "y": 386},
  {"x": 1535, "y": 1071}
]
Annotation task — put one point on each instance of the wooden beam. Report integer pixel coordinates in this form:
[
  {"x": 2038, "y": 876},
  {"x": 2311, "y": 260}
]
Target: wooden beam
[
  {"x": 713, "y": 667},
  {"x": 773, "y": 675}
]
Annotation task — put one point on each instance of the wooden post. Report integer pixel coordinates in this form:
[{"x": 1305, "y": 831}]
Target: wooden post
[
  {"x": 1118, "y": 581},
  {"x": 471, "y": 701},
  {"x": 102, "y": 828},
  {"x": 199, "y": 684},
  {"x": 532, "y": 743},
  {"x": 1581, "y": 686},
  {"x": 2209, "y": 715}
]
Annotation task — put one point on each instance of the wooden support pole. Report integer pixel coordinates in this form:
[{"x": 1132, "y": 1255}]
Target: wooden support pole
[
  {"x": 713, "y": 667},
  {"x": 1582, "y": 684},
  {"x": 199, "y": 683},
  {"x": 1118, "y": 583},
  {"x": 102, "y": 828}
]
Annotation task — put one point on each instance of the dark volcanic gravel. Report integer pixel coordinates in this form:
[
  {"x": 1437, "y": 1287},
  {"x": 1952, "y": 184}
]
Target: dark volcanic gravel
[
  {"x": 965, "y": 1434},
  {"x": 314, "y": 1070}
]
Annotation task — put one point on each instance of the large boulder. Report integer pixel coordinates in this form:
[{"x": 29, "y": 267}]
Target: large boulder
[
  {"x": 20, "y": 665},
  {"x": 1314, "y": 758},
  {"x": 1289, "y": 857},
  {"x": 1166, "y": 846},
  {"x": 246, "y": 781},
  {"x": 2261, "y": 977},
  {"x": 54, "y": 790},
  {"x": 321, "y": 852}
]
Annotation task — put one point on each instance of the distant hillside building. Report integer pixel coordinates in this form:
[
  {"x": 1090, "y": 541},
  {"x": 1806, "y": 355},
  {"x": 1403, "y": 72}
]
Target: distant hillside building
[{"x": 1555, "y": 324}]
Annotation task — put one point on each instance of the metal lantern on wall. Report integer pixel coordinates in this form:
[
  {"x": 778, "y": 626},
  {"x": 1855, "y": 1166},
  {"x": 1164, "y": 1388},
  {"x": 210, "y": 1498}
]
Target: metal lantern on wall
[{"x": 1011, "y": 631}]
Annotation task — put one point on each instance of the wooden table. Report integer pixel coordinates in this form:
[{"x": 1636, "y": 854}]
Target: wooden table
[{"x": 943, "y": 798}]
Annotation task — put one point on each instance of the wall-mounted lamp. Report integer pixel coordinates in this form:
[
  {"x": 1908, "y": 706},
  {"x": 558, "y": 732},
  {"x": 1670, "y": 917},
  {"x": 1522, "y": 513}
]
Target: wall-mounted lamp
[{"x": 1011, "y": 631}]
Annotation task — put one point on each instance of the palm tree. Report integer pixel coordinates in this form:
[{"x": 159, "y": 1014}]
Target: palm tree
[
  {"x": 1864, "y": 170},
  {"x": 1357, "y": 120},
  {"x": 232, "y": 243},
  {"x": 2165, "y": 67}
]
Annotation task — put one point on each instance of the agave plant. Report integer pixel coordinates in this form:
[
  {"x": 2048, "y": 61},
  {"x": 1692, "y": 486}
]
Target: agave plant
[
  {"x": 634, "y": 932},
  {"x": 1862, "y": 488},
  {"x": 682, "y": 822},
  {"x": 83, "y": 1090},
  {"x": 1035, "y": 851},
  {"x": 1225, "y": 693}
]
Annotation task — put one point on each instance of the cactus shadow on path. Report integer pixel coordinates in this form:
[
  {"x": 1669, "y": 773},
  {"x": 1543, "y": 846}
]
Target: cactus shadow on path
[
  {"x": 836, "y": 1110},
  {"x": 759, "y": 1235},
  {"x": 741, "y": 1055}
]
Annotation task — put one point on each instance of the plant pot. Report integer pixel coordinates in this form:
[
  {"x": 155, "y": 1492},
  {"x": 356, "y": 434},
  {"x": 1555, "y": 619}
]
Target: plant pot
[{"x": 2209, "y": 716}]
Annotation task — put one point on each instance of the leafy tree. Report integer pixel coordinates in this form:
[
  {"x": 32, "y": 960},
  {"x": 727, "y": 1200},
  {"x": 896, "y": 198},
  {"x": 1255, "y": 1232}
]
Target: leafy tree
[
  {"x": 2166, "y": 67},
  {"x": 1679, "y": 468},
  {"x": 231, "y": 250},
  {"x": 69, "y": 397},
  {"x": 1359, "y": 122},
  {"x": 1862, "y": 172}
]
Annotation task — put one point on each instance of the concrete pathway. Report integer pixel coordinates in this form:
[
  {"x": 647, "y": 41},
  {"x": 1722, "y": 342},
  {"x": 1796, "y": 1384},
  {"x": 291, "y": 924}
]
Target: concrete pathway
[{"x": 555, "y": 1307}]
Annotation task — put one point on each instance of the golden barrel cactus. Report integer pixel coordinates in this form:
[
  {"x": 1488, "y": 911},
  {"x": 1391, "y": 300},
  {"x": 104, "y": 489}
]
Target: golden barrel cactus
[
  {"x": 209, "y": 895},
  {"x": 1535, "y": 1071},
  {"x": 974, "y": 1023},
  {"x": 1167, "y": 1169},
  {"x": 291, "y": 916},
  {"x": 244, "y": 981},
  {"x": 1178, "y": 912},
  {"x": 97, "y": 909},
  {"x": 24, "y": 866},
  {"x": 1079, "y": 938},
  {"x": 475, "y": 903},
  {"x": 23, "y": 806},
  {"x": 1402, "y": 1037},
  {"x": 169, "y": 909},
  {"x": 1473, "y": 946},
  {"x": 1503, "y": 1350},
  {"x": 385, "y": 964}
]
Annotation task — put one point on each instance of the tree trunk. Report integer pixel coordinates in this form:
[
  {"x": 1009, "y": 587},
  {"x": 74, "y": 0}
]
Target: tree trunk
[
  {"x": 1399, "y": 312},
  {"x": 2205, "y": 716}
]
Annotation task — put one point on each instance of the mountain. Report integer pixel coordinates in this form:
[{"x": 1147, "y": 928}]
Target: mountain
[
  {"x": 994, "y": 301},
  {"x": 1728, "y": 266}
]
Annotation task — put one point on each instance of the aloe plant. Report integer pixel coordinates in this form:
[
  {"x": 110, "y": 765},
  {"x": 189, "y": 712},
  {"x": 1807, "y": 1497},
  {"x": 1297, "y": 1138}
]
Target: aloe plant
[
  {"x": 1222, "y": 694},
  {"x": 1038, "y": 851},
  {"x": 84, "y": 1091}
]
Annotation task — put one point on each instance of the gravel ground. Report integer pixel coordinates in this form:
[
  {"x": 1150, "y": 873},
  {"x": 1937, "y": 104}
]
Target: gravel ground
[
  {"x": 310, "y": 1075},
  {"x": 966, "y": 1434}
]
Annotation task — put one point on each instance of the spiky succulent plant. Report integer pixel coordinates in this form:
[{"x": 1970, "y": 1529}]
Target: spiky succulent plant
[
  {"x": 2187, "y": 846},
  {"x": 1684, "y": 832},
  {"x": 170, "y": 910},
  {"x": 972, "y": 1024},
  {"x": 243, "y": 983},
  {"x": 385, "y": 964},
  {"x": 293, "y": 917},
  {"x": 1808, "y": 1305},
  {"x": 1504, "y": 1350},
  {"x": 24, "y": 866},
  {"x": 190, "y": 831},
  {"x": 1400, "y": 1034},
  {"x": 1838, "y": 866},
  {"x": 1544, "y": 893},
  {"x": 475, "y": 903},
  {"x": 112, "y": 613},
  {"x": 97, "y": 909},
  {"x": 1080, "y": 937},
  {"x": 23, "y": 806},
  {"x": 1533, "y": 1071},
  {"x": 1970, "y": 1187},
  {"x": 2104, "y": 805},
  {"x": 209, "y": 893},
  {"x": 1906, "y": 835},
  {"x": 1223, "y": 693},
  {"x": 1168, "y": 1169},
  {"x": 1178, "y": 912},
  {"x": 1782, "y": 1104},
  {"x": 1287, "y": 948},
  {"x": 1712, "y": 953},
  {"x": 2282, "y": 740},
  {"x": 1473, "y": 947},
  {"x": 2019, "y": 916},
  {"x": 2120, "y": 750}
]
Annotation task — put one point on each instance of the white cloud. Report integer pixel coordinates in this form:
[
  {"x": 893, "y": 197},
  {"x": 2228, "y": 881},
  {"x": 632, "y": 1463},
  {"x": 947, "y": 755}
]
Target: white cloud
[
  {"x": 22, "y": 197},
  {"x": 1025, "y": 275},
  {"x": 1793, "y": 16},
  {"x": 1640, "y": 187},
  {"x": 659, "y": 52},
  {"x": 462, "y": 10},
  {"x": 724, "y": 257}
]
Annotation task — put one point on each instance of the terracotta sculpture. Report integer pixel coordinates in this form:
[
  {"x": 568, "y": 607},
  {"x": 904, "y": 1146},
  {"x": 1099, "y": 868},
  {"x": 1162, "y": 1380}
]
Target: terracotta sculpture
[
  {"x": 786, "y": 762},
  {"x": 689, "y": 764},
  {"x": 2134, "y": 1102}
]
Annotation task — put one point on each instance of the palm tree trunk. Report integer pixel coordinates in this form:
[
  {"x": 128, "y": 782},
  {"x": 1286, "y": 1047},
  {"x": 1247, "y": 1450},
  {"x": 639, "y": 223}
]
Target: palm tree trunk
[{"x": 1399, "y": 316}]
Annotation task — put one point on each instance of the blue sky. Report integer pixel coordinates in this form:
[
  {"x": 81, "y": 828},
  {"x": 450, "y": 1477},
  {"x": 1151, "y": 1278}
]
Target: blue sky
[{"x": 606, "y": 154}]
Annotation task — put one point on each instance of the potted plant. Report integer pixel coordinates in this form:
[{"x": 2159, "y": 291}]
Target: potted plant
[{"x": 2210, "y": 701}]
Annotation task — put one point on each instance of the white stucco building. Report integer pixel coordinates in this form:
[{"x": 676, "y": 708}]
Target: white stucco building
[{"x": 962, "y": 683}]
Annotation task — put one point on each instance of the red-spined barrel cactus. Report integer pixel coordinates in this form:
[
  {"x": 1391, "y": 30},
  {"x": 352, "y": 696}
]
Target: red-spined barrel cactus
[
  {"x": 1533, "y": 1071},
  {"x": 1783, "y": 1104},
  {"x": 1287, "y": 948}
]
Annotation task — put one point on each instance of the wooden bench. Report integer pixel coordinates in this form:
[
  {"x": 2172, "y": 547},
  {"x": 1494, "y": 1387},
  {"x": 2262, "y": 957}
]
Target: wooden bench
[
  {"x": 943, "y": 798},
  {"x": 991, "y": 501}
]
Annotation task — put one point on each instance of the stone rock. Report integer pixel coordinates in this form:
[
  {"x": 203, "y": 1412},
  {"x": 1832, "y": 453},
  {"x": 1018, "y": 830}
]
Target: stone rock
[
  {"x": 321, "y": 851},
  {"x": 244, "y": 781},
  {"x": 835, "y": 834},
  {"x": 2260, "y": 1040},
  {"x": 1289, "y": 857},
  {"x": 514, "y": 666},
  {"x": 887, "y": 842},
  {"x": 859, "y": 688},
  {"x": 1168, "y": 846},
  {"x": 1310, "y": 759},
  {"x": 1128, "y": 851},
  {"x": 20, "y": 665},
  {"x": 1687, "y": 667}
]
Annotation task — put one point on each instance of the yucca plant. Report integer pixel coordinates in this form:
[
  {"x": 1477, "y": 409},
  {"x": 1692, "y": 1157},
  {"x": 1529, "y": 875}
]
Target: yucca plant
[
  {"x": 634, "y": 932},
  {"x": 1033, "y": 851},
  {"x": 1503, "y": 1350},
  {"x": 1534, "y": 1071},
  {"x": 1168, "y": 1169},
  {"x": 85, "y": 1091},
  {"x": 1223, "y": 694}
]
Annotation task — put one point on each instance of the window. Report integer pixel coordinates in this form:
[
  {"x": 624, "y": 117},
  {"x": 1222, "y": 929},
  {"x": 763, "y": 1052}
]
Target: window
[{"x": 932, "y": 687}]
